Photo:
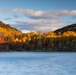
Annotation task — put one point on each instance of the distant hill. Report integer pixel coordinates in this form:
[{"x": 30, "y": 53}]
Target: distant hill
[
  {"x": 3, "y": 25},
  {"x": 6, "y": 29},
  {"x": 66, "y": 28}
]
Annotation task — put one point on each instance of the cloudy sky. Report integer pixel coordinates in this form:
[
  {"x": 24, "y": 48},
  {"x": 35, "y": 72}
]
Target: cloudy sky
[{"x": 38, "y": 15}]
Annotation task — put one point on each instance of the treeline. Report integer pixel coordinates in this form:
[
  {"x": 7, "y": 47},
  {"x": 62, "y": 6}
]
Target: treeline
[
  {"x": 38, "y": 41},
  {"x": 12, "y": 39}
]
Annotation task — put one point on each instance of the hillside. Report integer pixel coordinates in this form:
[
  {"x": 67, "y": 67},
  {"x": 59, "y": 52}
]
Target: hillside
[
  {"x": 67, "y": 28},
  {"x": 6, "y": 26},
  {"x": 6, "y": 29},
  {"x": 12, "y": 39},
  {"x": 8, "y": 33}
]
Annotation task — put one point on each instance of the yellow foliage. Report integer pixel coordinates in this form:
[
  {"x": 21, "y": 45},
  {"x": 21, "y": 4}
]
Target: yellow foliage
[{"x": 69, "y": 33}]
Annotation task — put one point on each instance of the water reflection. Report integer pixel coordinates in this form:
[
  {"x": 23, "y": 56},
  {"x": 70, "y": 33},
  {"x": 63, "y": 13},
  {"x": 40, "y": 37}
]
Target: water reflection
[{"x": 37, "y": 63}]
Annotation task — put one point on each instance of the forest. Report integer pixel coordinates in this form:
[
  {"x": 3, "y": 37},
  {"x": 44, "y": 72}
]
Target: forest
[{"x": 62, "y": 40}]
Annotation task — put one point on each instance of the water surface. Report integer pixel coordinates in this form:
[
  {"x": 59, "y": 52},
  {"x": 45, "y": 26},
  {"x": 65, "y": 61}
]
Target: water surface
[{"x": 37, "y": 63}]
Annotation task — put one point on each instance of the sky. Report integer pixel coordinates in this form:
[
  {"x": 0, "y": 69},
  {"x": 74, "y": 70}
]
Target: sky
[{"x": 38, "y": 15}]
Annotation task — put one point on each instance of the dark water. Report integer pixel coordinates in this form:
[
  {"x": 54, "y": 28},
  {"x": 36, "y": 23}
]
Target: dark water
[{"x": 37, "y": 63}]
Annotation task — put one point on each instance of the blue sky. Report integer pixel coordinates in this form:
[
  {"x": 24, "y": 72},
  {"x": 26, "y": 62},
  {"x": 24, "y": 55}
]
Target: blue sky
[{"x": 38, "y": 15}]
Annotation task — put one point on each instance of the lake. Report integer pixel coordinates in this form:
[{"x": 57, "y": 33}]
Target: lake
[{"x": 38, "y": 63}]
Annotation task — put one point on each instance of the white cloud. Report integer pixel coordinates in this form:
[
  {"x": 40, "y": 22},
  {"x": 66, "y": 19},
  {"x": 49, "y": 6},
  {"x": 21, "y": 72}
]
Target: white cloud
[
  {"x": 38, "y": 25},
  {"x": 43, "y": 20},
  {"x": 3, "y": 10},
  {"x": 45, "y": 14}
]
